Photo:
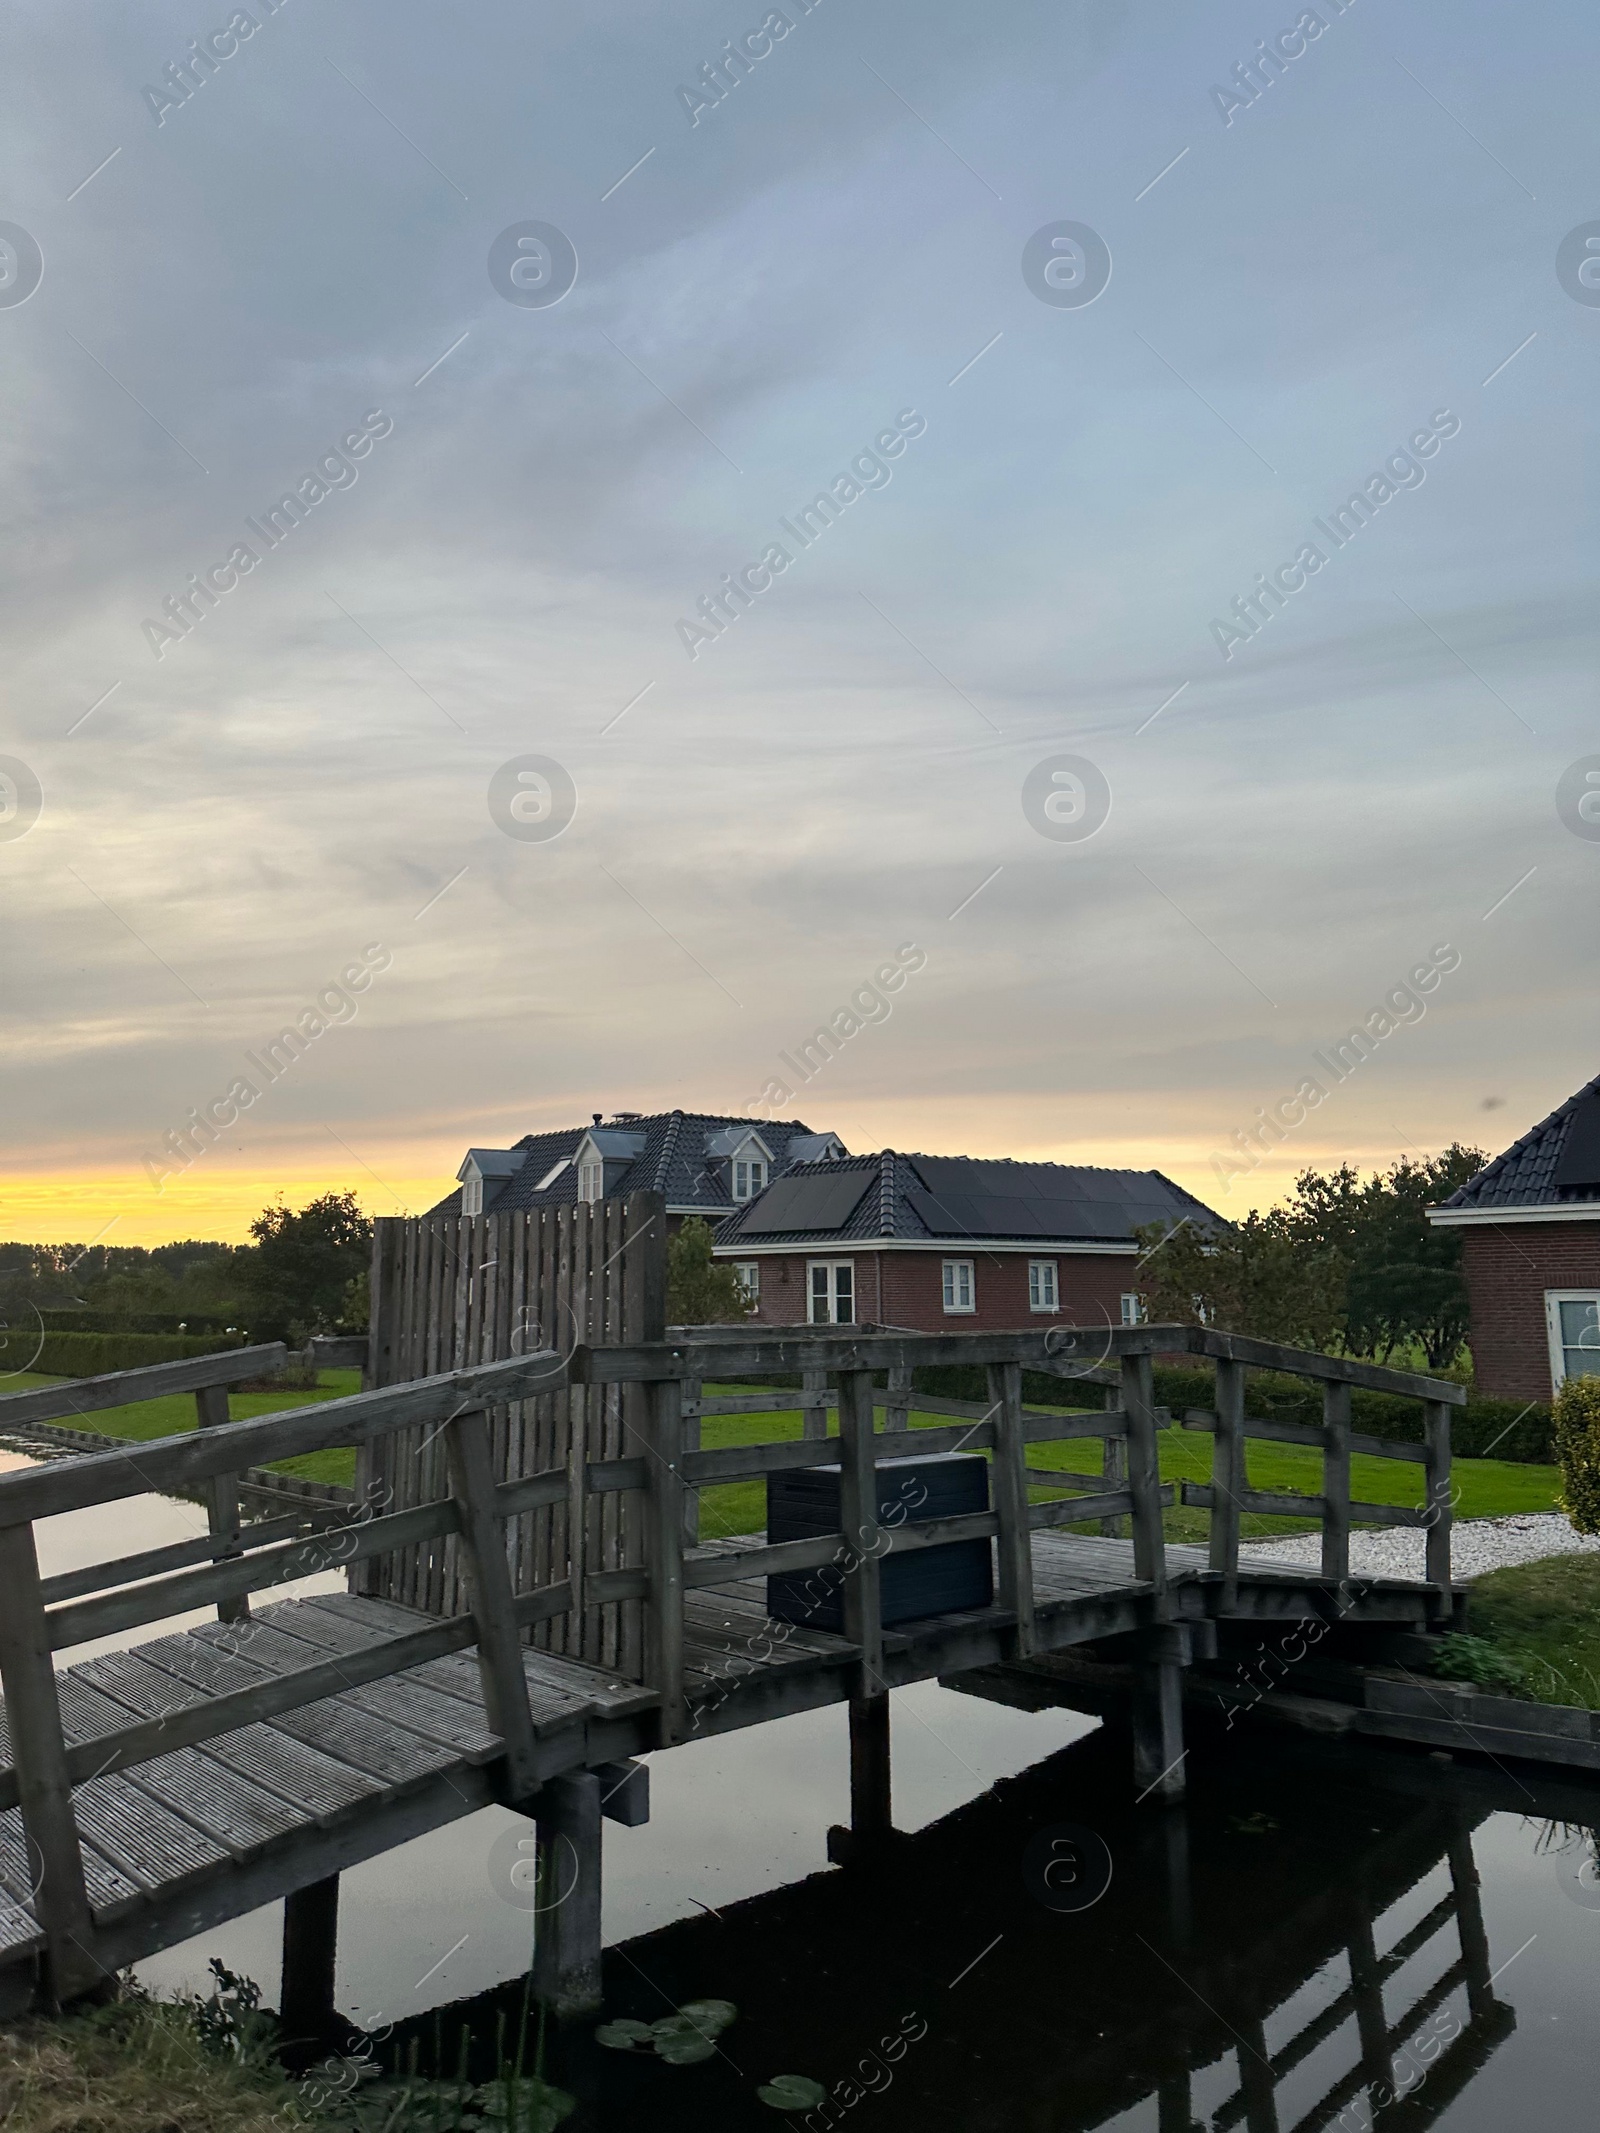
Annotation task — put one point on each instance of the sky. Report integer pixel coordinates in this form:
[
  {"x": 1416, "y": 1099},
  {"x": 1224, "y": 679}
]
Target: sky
[{"x": 1157, "y": 850}]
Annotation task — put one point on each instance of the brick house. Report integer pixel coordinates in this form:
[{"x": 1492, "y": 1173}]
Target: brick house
[
  {"x": 701, "y": 1164},
  {"x": 949, "y": 1243},
  {"x": 1530, "y": 1235}
]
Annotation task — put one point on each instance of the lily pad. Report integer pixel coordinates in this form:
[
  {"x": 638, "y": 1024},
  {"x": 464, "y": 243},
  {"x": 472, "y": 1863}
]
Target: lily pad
[
  {"x": 625, "y": 2036},
  {"x": 712, "y": 2017},
  {"x": 685, "y": 2047},
  {"x": 793, "y": 2092},
  {"x": 530, "y": 2105}
]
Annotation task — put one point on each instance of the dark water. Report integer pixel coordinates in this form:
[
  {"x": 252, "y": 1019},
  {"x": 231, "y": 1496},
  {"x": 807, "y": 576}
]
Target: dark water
[{"x": 1319, "y": 1931}]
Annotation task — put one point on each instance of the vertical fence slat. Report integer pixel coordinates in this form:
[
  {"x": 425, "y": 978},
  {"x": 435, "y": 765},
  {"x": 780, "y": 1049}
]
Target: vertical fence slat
[
  {"x": 1440, "y": 1510},
  {"x": 39, "y": 1755},
  {"x": 483, "y": 1554},
  {"x": 1335, "y": 1480},
  {"x": 1228, "y": 1475},
  {"x": 1010, "y": 1472},
  {"x": 663, "y": 1537},
  {"x": 1144, "y": 1471},
  {"x": 222, "y": 1499},
  {"x": 858, "y": 1515}
]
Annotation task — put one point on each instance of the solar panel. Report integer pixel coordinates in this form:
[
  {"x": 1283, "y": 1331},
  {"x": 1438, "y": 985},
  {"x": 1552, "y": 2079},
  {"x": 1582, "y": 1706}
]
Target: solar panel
[
  {"x": 967, "y": 1197},
  {"x": 1579, "y": 1161},
  {"x": 807, "y": 1203}
]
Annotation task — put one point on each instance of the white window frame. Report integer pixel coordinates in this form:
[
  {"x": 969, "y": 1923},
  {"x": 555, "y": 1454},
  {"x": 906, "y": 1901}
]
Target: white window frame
[
  {"x": 749, "y": 1273},
  {"x": 1553, "y": 1299},
  {"x": 1132, "y": 1308},
  {"x": 956, "y": 1275},
  {"x": 472, "y": 1193},
  {"x": 831, "y": 1270},
  {"x": 592, "y": 1180},
  {"x": 1044, "y": 1285},
  {"x": 749, "y": 1175}
]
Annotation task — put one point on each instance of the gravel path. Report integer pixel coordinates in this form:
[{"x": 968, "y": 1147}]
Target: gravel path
[{"x": 1476, "y": 1545}]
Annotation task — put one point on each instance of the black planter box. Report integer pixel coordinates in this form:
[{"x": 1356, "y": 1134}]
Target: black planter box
[{"x": 804, "y": 1502}]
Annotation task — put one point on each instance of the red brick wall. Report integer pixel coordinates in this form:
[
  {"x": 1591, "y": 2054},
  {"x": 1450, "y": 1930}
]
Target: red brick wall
[
  {"x": 1508, "y": 1270},
  {"x": 907, "y": 1289}
]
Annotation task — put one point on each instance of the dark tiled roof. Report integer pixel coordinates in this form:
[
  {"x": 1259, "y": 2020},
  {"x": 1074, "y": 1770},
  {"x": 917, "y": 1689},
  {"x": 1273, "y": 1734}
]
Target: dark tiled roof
[
  {"x": 677, "y": 1156},
  {"x": 1553, "y": 1165},
  {"x": 920, "y": 1199}
]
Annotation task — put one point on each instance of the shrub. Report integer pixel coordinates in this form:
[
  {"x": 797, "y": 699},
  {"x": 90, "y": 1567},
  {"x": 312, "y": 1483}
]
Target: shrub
[
  {"x": 1485, "y": 1665},
  {"x": 1577, "y": 1435},
  {"x": 93, "y": 1355}
]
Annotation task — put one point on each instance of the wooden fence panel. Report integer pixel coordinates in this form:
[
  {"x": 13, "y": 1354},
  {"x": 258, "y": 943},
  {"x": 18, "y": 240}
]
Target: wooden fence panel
[{"x": 449, "y": 1292}]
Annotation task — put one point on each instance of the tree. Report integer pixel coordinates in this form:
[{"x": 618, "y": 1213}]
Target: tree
[
  {"x": 1253, "y": 1278},
  {"x": 701, "y": 1291},
  {"x": 300, "y": 1271},
  {"x": 1343, "y": 1265}
]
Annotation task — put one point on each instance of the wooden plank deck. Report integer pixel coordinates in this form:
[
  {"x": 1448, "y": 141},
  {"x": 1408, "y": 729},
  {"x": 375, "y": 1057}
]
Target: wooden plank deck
[{"x": 181, "y": 1842}]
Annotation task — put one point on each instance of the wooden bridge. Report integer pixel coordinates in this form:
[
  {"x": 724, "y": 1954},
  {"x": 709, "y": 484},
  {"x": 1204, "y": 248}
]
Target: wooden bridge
[{"x": 151, "y": 1793}]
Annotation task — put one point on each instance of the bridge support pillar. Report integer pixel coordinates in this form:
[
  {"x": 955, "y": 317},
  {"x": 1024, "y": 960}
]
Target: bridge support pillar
[
  {"x": 1158, "y": 1750},
  {"x": 871, "y": 1794},
  {"x": 566, "y": 1952},
  {"x": 310, "y": 1957}
]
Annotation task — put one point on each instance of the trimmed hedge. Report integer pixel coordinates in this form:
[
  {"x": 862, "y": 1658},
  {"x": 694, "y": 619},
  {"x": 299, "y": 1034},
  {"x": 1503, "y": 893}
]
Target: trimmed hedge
[
  {"x": 192, "y": 1322},
  {"x": 1483, "y": 1429},
  {"x": 93, "y": 1355}
]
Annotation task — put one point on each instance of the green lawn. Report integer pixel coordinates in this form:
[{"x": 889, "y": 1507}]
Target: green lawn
[
  {"x": 169, "y": 1417},
  {"x": 1485, "y": 1487},
  {"x": 1543, "y": 1621}
]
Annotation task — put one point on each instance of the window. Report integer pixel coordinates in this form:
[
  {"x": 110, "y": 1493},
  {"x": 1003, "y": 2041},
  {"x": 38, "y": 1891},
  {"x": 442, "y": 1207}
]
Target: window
[
  {"x": 958, "y": 1285},
  {"x": 833, "y": 1291},
  {"x": 472, "y": 1194},
  {"x": 591, "y": 1179},
  {"x": 749, "y": 1273},
  {"x": 749, "y": 1177},
  {"x": 552, "y": 1174},
  {"x": 1042, "y": 1285},
  {"x": 1133, "y": 1309},
  {"x": 1573, "y": 1316}
]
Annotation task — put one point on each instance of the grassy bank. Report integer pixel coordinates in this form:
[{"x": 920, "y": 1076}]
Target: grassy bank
[
  {"x": 171, "y": 1416},
  {"x": 1534, "y": 1630},
  {"x": 138, "y": 2067}
]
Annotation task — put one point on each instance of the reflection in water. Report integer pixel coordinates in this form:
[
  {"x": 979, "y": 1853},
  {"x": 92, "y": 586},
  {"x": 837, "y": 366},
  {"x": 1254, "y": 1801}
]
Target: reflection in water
[{"x": 1302, "y": 1948}]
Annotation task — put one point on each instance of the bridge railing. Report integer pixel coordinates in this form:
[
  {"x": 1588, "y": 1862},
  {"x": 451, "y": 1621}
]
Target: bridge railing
[{"x": 1228, "y": 1495}]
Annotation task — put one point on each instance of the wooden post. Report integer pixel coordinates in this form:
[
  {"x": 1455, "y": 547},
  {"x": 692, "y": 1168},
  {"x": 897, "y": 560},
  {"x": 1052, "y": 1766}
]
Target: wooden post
[
  {"x": 1010, "y": 1471},
  {"x": 567, "y": 1935},
  {"x": 1228, "y": 1478},
  {"x": 483, "y": 1552},
  {"x": 1439, "y": 1509},
  {"x": 306, "y": 2006},
  {"x": 222, "y": 1499},
  {"x": 1158, "y": 1750},
  {"x": 39, "y": 1754},
  {"x": 1144, "y": 1474},
  {"x": 871, "y": 1792},
  {"x": 813, "y": 1419},
  {"x": 1114, "y": 1466},
  {"x": 663, "y": 1551},
  {"x": 1336, "y": 1481},
  {"x": 644, "y": 1318},
  {"x": 858, "y": 1516},
  {"x": 1258, "y": 2084},
  {"x": 692, "y": 1390},
  {"x": 897, "y": 1397},
  {"x": 1174, "y": 2104}
]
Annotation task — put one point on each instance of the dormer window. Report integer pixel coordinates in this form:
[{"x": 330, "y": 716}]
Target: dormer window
[
  {"x": 472, "y": 1194},
  {"x": 749, "y": 1176},
  {"x": 591, "y": 1179}
]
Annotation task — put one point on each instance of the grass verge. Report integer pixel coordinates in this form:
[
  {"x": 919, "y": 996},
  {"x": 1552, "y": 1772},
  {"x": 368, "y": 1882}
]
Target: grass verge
[
  {"x": 139, "y": 2066},
  {"x": 1534, "y": 1630}
]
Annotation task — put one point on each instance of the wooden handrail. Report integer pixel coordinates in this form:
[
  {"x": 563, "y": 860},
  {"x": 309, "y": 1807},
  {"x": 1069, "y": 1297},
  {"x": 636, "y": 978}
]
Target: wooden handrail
[{"x": 149, "y": 1381}]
